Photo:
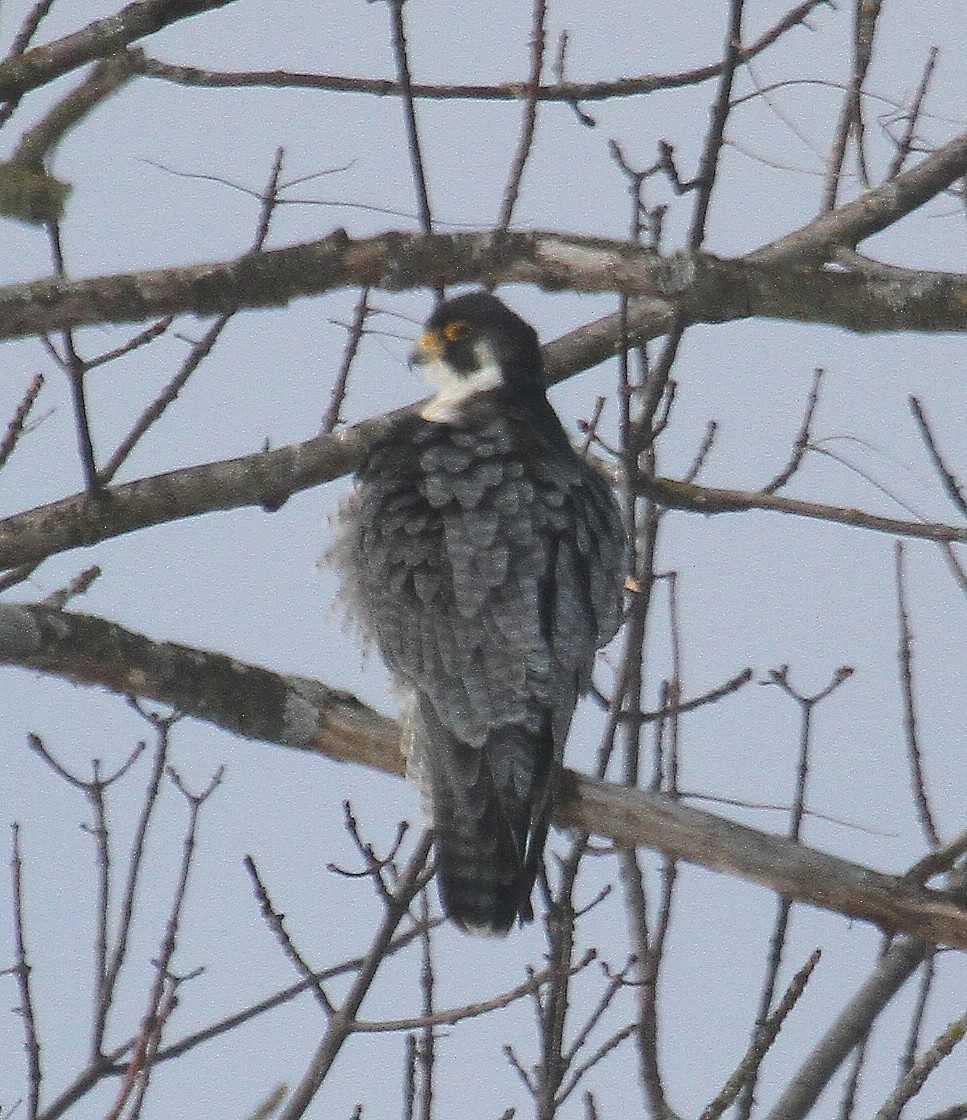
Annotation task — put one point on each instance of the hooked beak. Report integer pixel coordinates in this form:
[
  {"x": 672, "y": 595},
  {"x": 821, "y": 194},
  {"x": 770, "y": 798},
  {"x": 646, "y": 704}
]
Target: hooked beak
[{"x": 428, "y": 349}]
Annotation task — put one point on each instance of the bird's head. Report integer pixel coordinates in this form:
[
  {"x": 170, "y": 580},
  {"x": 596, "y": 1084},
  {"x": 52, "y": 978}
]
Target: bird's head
[{"x": 475, "y": 344}]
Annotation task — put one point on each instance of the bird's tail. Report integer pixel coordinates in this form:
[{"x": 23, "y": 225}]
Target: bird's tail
[{"x": 491, "y": 807}]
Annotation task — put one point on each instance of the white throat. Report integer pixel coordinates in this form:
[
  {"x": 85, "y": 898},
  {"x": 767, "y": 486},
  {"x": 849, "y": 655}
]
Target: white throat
[{"x": 454, "y": 389}]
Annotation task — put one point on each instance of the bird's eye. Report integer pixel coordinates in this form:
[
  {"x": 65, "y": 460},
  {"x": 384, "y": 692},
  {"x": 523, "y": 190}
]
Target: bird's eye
[{"x": 456, "y": 330}]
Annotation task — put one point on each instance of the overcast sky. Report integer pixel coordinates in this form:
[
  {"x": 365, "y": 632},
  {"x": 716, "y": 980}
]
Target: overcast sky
[{"x": 756, "y": 590}]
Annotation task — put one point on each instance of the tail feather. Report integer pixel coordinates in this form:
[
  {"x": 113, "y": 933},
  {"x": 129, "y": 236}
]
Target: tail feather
[{"x": 491, "y": 806}]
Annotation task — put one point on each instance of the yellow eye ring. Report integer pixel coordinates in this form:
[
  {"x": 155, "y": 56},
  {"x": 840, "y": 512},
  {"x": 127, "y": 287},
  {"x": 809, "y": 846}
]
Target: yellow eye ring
[{"x": 456, "y": 330}]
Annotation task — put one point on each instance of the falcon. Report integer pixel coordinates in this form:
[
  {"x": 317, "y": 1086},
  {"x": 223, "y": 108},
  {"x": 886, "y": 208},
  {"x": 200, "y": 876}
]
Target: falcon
[{"x": 485, "y": 558}]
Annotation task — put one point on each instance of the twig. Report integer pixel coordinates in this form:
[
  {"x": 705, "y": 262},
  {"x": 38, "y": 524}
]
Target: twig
[
  {"x": 707, "y": 500},
  {"x": 710, "y": 697},
  {"x": 426, "y": 1051},
  {"x": 905, "y": 144},
  {"x": 607, "y": 1047},
  {"x": 341, "y": 1023},
  {"x": 914, "y": 755},
  {"x": 79, "y": 585},
  {"x": 161, "y": 1001},
  {"x": 566, "y": 92},
  {"x": 915, "y": 1079},
  {"x": 201, "y": 349},
  {"x": 801, "y": 444},
  {"x": 777, "y": 942},
  {"x": 949, "y": 479},
  {"x": 708, "y": 167},
  {"x": 276, "y": 922},
  {"x": 865, "y": 15},
  {"x": 529, "y": 122},
  {"x": 704, "y": 450},
  {"x": 247, "y": 1014},
  {"x": 76, "y": 370},
  {"x": 764, "y": 1038},
  {"x": 142, "y": 338},
  {"x": 560, "y": 61},
  {"x": 616, "y": 983},
  {"x": 409, "y": 1077},
  {"x": 927, "y": 974},
  {"x": 115, "y": 958},
  {"x": 15, "y": 429},
  {"x": 854, "y": 1073},
  {"x": 427, "y": 1020},
  {"x": 409, "y": 114},
  {"x": 356, "y": 331},
  {"x": 22, "y": 969}
]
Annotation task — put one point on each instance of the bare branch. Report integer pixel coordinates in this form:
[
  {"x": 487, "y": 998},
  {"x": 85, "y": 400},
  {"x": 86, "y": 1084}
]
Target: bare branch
[
  {"x": 99, "y": 39},
  {"x": 865, "y": 15},
  {"x": 568, "y": 92},
  {"x": 15, "y": 429},
  {"x": 912, "y": 116},
  {"x": 292, "y": 711},
  {"x": 914, "y": 754},
  {"x": 949, "y": 479},
  {"x": 779, "y": 281},
  {"x": 708, "y": 168},
  {"x": 890, "y": 974},
  {"x": 529, "y": 122},
  {"x": 276, "y": 922},
  {"x": 704, "y": 499},
  {"x": 356, "y": 331},
  {"x": 341, "y": 1023},
  {"x": 765, "y": 1036},
  {"x": 22, "y": 968},
  {"x": 915, "y": 1079},
  {"x": 801, "y": 443},
  {"x": 409, "y": 116},
  {"x": 451, "y": 1015}
]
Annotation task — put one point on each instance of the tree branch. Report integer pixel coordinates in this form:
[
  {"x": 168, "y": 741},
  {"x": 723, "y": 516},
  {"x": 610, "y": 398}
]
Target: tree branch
[
  {"x": 779, "y": 282},
  {"x": 568, "y": 92},
  {"x": 874, "y": 210},
  {"x": 256, "y": 703},
  {"x": 269, "y": 478},
  {"x": 891, "y": 973},
  {"x": 99, "y": 39}
]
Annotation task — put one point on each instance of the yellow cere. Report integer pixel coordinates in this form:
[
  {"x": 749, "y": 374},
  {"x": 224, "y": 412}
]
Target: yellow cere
[
  {"x": 456, "y": 330},
  {"x": 431, "y": 343}
]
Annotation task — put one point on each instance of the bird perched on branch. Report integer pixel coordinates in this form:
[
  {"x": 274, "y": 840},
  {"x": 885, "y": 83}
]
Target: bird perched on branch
[{"x": 485, "y": 557}]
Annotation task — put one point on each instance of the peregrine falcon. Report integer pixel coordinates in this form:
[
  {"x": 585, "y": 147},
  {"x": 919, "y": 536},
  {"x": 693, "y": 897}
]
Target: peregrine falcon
[{"x": 485, "y": 558}]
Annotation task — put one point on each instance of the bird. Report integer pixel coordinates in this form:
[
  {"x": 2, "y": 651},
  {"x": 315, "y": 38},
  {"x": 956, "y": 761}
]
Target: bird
[{"x": 484, "y": 557}]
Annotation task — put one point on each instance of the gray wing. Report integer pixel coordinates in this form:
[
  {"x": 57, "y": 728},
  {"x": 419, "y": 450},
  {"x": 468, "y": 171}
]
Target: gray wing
[
  {"x": 489, "y": 581},
  {"x": 489, "y": 588}
]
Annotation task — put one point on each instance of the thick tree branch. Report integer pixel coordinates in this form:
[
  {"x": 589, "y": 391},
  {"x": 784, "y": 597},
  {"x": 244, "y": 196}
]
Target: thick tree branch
[
  {"x": 873, "y": 211},
  {"x": 269, "y": 478},
  {"x": 99, "y": 39},
  {"x": 256, "y": 703},
  {"x": 705, "y": 288}
]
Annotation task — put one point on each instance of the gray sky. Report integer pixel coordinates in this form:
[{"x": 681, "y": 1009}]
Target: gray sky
[{"x": 756, "y": 589}]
